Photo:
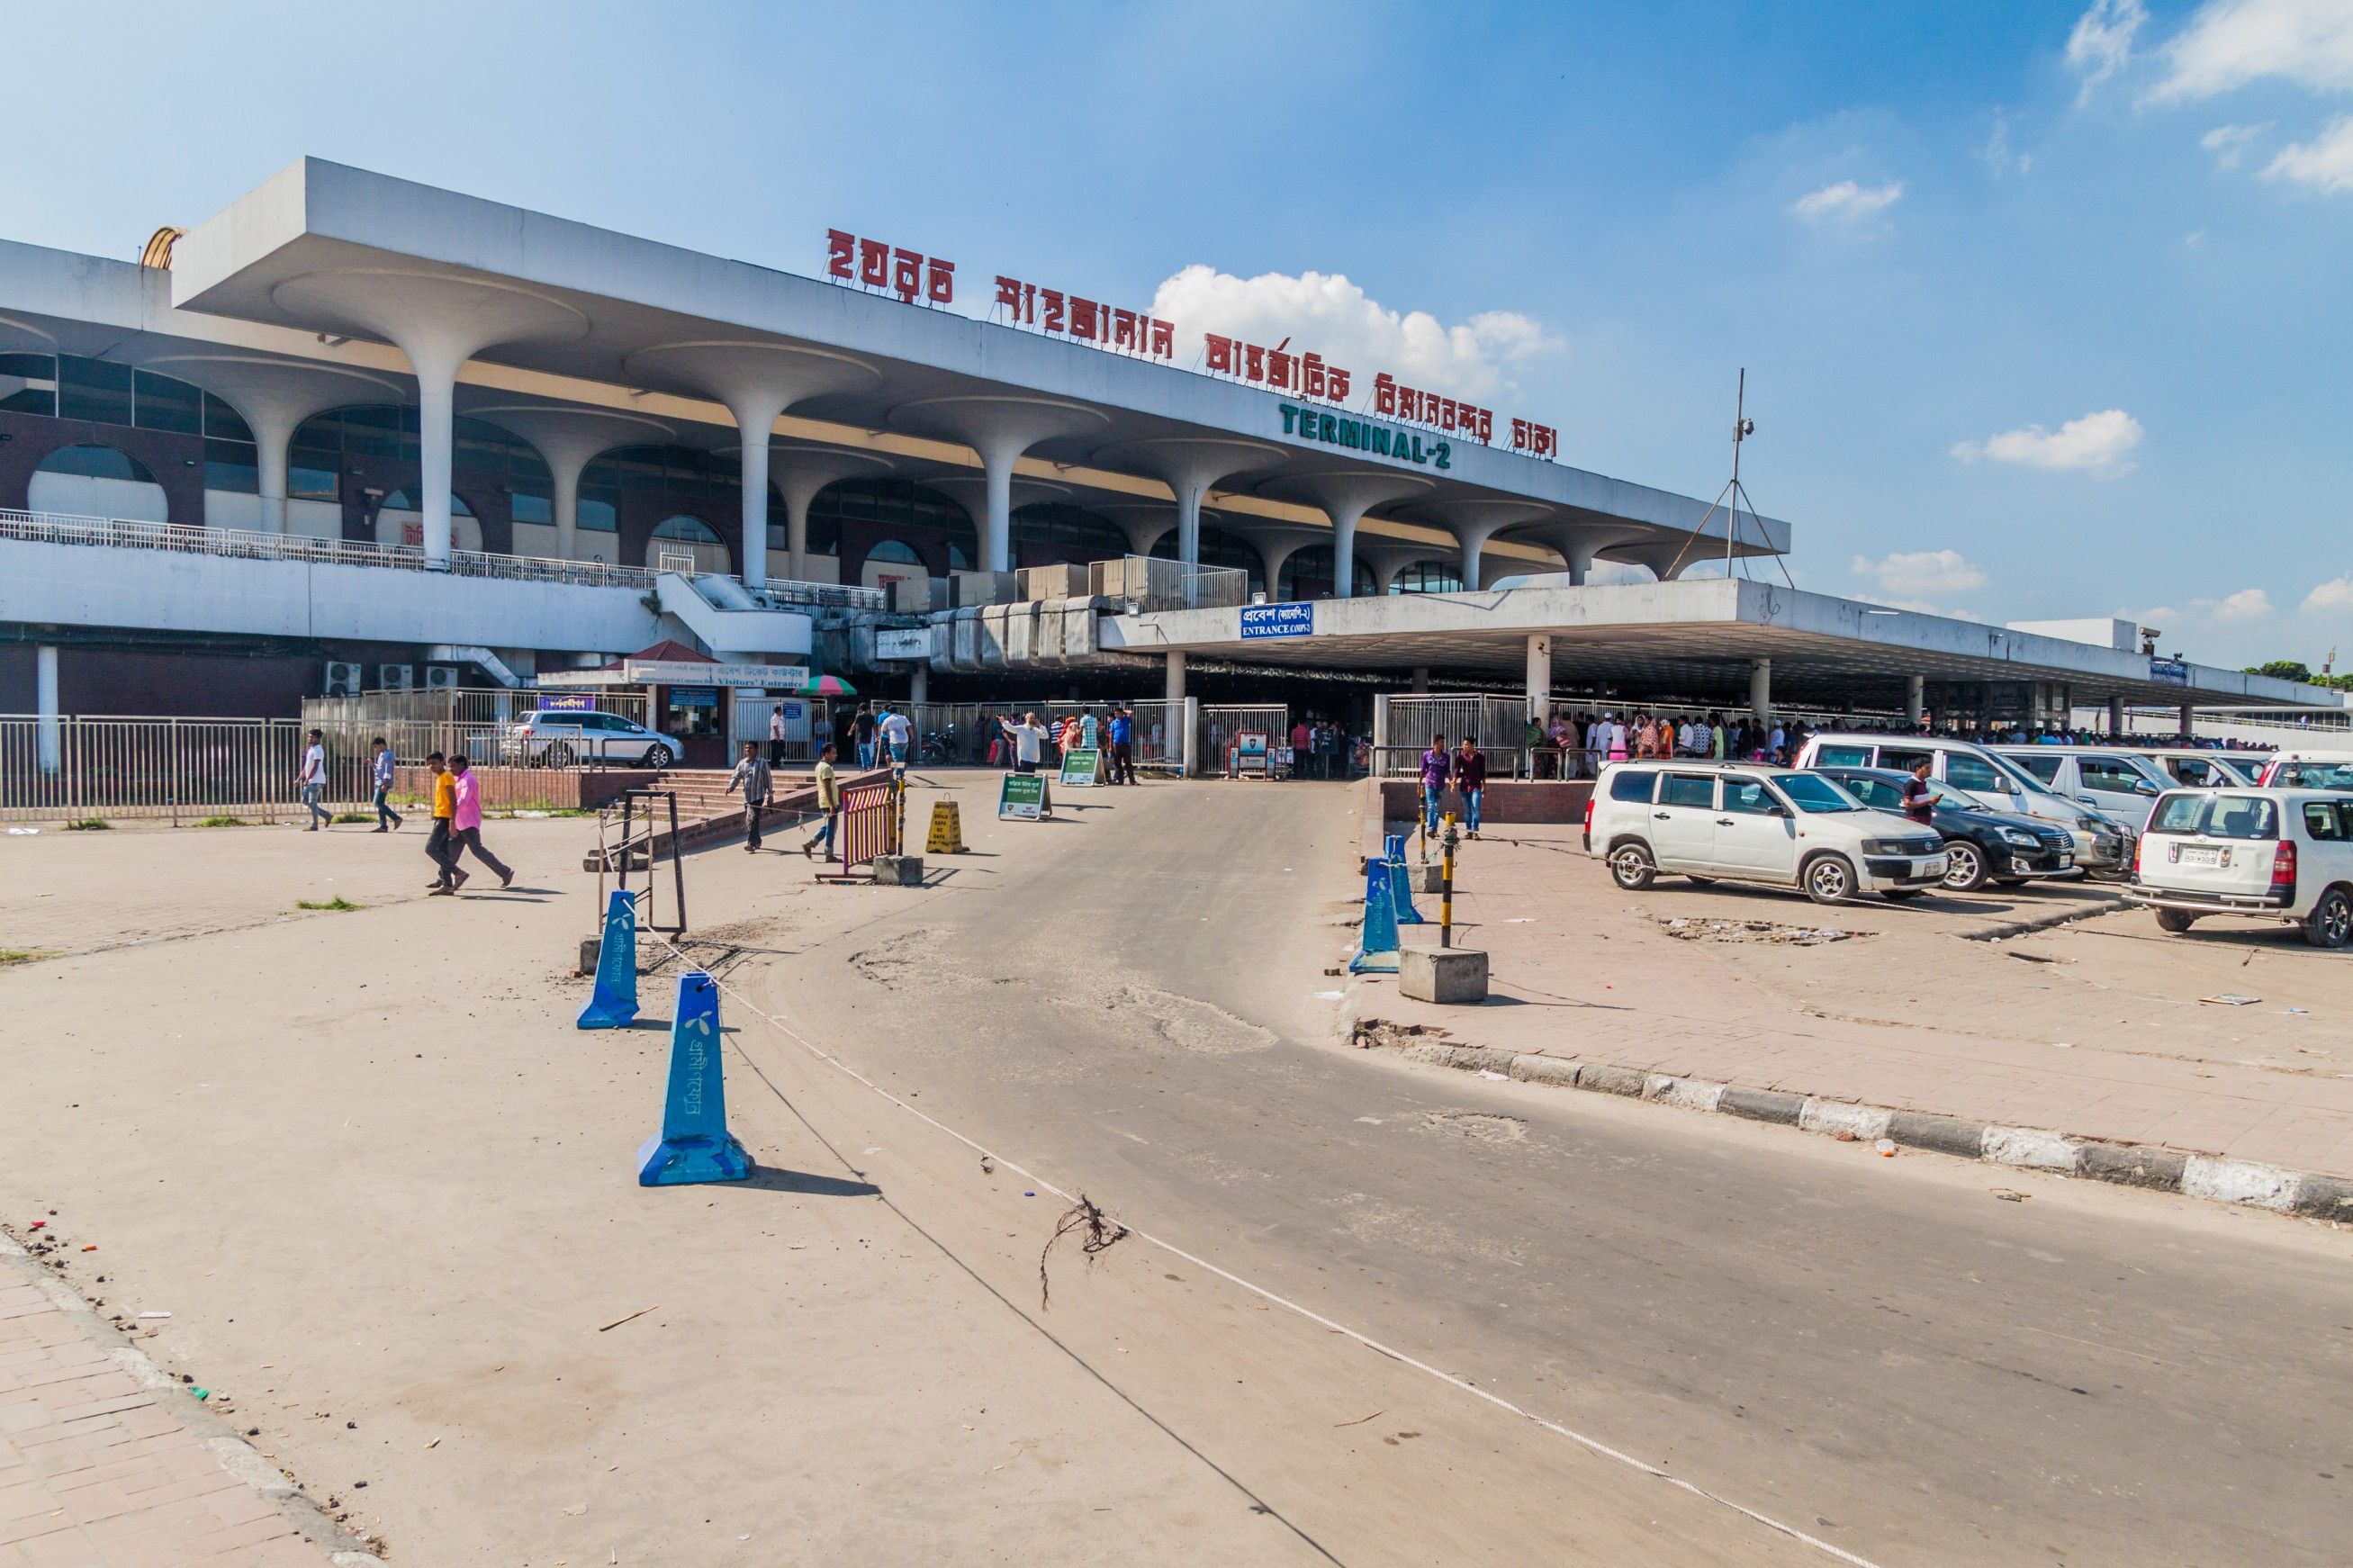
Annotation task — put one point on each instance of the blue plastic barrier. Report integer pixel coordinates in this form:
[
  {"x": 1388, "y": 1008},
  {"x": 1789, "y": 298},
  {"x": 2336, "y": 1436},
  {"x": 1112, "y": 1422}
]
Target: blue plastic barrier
[
  {"x": 1376, "y": 949},
  {"x": 694, "y": 1144},
  {"x": 614, "y": 1005}
]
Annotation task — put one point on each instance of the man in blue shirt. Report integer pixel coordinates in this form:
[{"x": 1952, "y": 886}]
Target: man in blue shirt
[
  {"x": 381, "y": 772},
  {"x": 1123, "y": 755}
]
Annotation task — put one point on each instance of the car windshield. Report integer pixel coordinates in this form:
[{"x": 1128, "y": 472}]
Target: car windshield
[
  {"x": 1815, "y": 794},
  {"x": 2314, "y": 776},
  {"x": 2217, "y": 816}
]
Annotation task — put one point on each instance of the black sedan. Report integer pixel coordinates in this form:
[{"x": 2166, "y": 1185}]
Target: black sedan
[{"x": 1983, "y": 845}]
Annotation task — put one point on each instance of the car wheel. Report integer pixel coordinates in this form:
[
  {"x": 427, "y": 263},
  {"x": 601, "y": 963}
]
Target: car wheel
[
  {"x": 1967, "y": 873},
  {"x": 1829, "y": 880},
  {"x": 1900, "y": 894},
  {"x": 558, "y": 755},
  {"x": 2331, "y": 921},
  {"x": 2175, "y": 920},
  {"x": 655, "y": 758},
  {"x": 1630, "y": 868}
]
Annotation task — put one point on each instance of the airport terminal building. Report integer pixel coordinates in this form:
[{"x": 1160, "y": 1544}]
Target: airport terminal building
[{"x": 358, "y": 433}]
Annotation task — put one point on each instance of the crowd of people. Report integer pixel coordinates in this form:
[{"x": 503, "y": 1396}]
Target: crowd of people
[{"x": 1579, "y": 745}]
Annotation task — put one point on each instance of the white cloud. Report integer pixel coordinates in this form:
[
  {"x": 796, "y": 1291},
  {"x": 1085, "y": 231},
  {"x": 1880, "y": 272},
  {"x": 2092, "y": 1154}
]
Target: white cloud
[
  {"x": 2229, "y": 142},
  {"x": 2337, "y": 593},
  {"x": 2100, "y": 441},
  {"x": 1847, "y": 202},
  {"x": 2323, "y": 164},
  {"x": 2246, "y": 605},
  {"x": 1918, "y": 573},
  {"x": 2102, "y": 43},
  {"x": 2230, "y": 43},
  {"x": 1997, "y": 153},
  {"x": 1327, "y": 313}
]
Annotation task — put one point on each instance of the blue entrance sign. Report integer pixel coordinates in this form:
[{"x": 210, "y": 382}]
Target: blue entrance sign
[
  {"x": 694, "y": 1144},
  {"x": 1278, "y": 621},
  {"x": 2172, "y": 671},
  {"x": 567, "y": 704}
]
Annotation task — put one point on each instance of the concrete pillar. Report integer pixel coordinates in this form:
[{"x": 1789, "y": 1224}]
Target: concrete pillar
[
  {"x": 919, "y": 684},
  {"x": 1189, "y": 467},
  {"x": 1578, "y": 543},
  {"x": 1174, "y": 688},
  {"x": 439, "y": 322},
  {"x": 757, "y": 381},
  {"x": 568, "y": 440},
  {"x": 1539, "y": 676},
  {"x": 2186, "y": 719},
  {"x": 2116, "y": 718},
  {"x": 1473, "y": 523},
  {"x": 1760, "y": 692},
  {"x": 1192, "y": 763},
  {"x": 1421, "y": 677},
  {"x": 803, "y": 472},
  {"x": 1345, "y": 495},
  {"x": 1915, "y": 698},
  {"x": 47, "y": 745},
  {"x": 274, "y": 397},
  {"x": 998, "y": 430}
]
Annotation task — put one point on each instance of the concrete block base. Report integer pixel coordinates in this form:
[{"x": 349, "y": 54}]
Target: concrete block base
[
  {"x": 898, "y": 870},
  {"x": 1426, "y": 879},
  {"x": 589, "y": 948},
  {"x": 1442, "y": 974}
]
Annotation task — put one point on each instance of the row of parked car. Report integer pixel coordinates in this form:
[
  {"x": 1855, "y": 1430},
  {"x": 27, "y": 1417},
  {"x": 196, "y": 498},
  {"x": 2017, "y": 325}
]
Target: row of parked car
[{"x": 2192, "y": 832}]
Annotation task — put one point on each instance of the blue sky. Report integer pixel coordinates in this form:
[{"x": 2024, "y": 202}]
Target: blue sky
[{"x": 2044, "y": 308}]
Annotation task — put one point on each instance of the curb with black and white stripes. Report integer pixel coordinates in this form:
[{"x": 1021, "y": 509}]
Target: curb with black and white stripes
[
  {"x": 237, "y": 1457},
  {"x": 2306, "y": 1193}
]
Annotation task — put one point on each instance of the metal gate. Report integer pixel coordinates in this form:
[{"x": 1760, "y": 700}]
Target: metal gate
[
  {"x": 1404, "y": 725},
  {"x": 1215, "y": 746}
]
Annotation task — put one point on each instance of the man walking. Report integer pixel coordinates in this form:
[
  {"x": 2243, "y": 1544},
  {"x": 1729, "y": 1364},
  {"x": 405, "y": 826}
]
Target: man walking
[
  {"x": 1470, "y": 781},
  {"x": 753, "y": 777},
  {"x": 312, "y": 780},
  {"x": 829, "y": 803},
  {"x": 1123, "y": 749},
  {"x": 776, "y": 734},
  {"x": 1437, "y": 767},
  {"x": 380, "y": 771},
  {"x": 1029, "y": 738},
  {"x": 894, "y": 737},
  {"x": 438, "y": 846},
  {"x": 465, "y": 822}
]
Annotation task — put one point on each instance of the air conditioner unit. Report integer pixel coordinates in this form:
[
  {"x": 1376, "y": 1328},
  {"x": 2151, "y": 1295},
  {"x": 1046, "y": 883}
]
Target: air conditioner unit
[
  {"x": 342, "y": 679},
  {"x": 441, "y": 678},
  {"x": 394, "y": 678}
]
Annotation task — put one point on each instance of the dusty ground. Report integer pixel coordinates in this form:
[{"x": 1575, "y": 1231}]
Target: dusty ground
[{"x": 384, "y": 1187}]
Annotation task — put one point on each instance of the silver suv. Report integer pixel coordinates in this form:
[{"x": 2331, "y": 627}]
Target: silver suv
[{"x": 551, "y": 739}]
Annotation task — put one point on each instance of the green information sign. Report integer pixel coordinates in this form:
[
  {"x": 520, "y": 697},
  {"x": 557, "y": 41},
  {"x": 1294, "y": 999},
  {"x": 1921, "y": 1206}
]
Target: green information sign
[
  {"x": 1080, "y": 767},
  {"x": 1023, "y": 796}
]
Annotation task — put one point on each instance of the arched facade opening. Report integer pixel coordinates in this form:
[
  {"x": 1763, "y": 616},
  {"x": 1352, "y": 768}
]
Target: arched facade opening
[
  {"x": 95, "y": 481},
  {"x": 1428, "y": 577},
  {"x": 884, "y": 522},
  {"x": 1308, "y": 575},
  {"x": 687, "y": 544},
  {"x": 400, "y": 520},
  {"x": 1046, "y": 533}
]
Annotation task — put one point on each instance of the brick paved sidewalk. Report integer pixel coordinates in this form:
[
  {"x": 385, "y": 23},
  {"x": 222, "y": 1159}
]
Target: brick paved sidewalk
[{"x": 98, "y": 1470}]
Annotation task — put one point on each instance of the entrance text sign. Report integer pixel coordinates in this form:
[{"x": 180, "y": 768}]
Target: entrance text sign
[
  {"x": 1278, "y": 621},
  {"x": 1023, "y": 796},
  {"x": 567, "y": 704},
  {"x": 1079, "y": 766}
]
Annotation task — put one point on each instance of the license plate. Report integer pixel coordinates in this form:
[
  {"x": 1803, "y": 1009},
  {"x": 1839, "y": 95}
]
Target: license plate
[
  {"x": 2066, "y": 858},
  {"x": 2202, "y": 855}
]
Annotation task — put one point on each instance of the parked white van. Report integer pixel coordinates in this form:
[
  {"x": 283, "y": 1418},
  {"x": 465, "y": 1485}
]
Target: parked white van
[
  {"x": 2272, "y": 854},
  {"x": 2120, "y": 783},
  {"x": 1753, "y": 823},
  {"x": 2308, "y": 770},
  {"x": 2102, "y": 844},
  {"x": 2197, "y": 769}
]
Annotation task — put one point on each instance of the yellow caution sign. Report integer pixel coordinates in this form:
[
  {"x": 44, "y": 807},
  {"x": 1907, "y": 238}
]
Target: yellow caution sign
[{"x": 947, "y": 830}]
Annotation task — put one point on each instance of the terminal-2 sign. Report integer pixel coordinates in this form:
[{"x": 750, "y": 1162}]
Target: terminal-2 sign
[
  {"x": 1278, "y": 621},
  {"x": 1362, "y": 436}
]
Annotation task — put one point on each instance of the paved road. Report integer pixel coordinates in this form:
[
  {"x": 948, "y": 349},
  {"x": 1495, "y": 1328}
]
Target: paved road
[{"x": 1879, "y": 1354}]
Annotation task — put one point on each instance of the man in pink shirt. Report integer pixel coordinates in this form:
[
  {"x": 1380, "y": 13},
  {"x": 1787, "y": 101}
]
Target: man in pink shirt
[{"x": 466, "y": 824}]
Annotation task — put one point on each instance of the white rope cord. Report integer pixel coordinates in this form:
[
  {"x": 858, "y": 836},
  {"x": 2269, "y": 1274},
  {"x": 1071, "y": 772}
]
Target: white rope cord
[{"x": 1593, "y": 1445}]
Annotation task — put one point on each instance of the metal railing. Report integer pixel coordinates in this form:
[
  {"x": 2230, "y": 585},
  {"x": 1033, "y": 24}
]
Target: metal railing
[
  {"x": 1149, "y": 583},
  {"x": 58, "y": 767}
]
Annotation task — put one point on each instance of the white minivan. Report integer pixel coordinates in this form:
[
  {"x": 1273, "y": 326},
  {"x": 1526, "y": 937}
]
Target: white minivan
[
  {"x": 2272, "y": 853},
  {"x": 2200, "y": 769},
  {"x": 2102, "y": 844},
  {"x": 1752, "y": 823},
  {"x": 2122, "y": 784}
]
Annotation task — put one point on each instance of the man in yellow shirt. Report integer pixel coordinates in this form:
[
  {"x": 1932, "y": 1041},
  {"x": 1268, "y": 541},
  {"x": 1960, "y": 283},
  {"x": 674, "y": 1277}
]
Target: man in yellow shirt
[
  {"x": 828, "y": 802},
  {"x": 438, "y": 844}
]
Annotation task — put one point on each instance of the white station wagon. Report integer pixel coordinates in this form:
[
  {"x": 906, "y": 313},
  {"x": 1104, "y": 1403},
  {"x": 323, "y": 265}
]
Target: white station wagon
[
  {"x": 1755, "y": 824},
  {"x": 554, "y": 739},
  {"x": 2272, "y": 853}
]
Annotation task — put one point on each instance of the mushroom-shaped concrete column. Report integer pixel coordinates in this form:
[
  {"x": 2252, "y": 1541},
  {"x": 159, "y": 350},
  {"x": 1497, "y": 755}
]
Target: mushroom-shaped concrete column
[
  {"x": 274, "y": 397},
  {"x": 1190, "y": 466},
  {"x": 999, "y": 429},
  {"x": 1276, "y": 544},
  {"x": 1474, "y": 522},
  {"x": 1666, "y": 559},
  {"x": 569, "y": 440},
  {"x": 803, "y": 469},
  {"x": 1578, "y": 542},
  {"x": 1142, "y": 520},
  {"x": 975, "y": 493},
  {"x": 1346, "y": 495},
  {"x": 757, "y": 381},
  {"x": 1389, "y": 557},
  {"x": 439, "y": 320}
]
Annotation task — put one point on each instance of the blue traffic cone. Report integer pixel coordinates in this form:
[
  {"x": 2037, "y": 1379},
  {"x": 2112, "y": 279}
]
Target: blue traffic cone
[
  {"x": 1376, "y": 949},
  {"x": 694, "y": 1144},
  {"x": 1401, "y": 893},
  {"x": 614, "y": 1005}
]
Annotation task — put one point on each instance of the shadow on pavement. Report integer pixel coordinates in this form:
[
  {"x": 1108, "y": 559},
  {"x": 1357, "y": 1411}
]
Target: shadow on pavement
[{"x": 769, "y": 1179}]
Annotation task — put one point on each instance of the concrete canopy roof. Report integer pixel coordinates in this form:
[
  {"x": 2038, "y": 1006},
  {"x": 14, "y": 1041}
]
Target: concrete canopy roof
[
  {"x": 317, "y": 219},
  {"x": 1693, "y": 639}
]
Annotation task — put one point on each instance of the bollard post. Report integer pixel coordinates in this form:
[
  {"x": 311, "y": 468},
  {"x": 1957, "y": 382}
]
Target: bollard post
[{"x": 1446, "y": 886}]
